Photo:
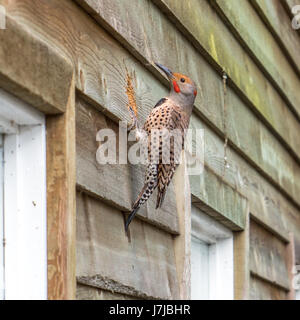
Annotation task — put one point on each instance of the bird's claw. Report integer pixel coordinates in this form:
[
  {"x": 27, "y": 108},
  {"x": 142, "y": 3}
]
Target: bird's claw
[{"x": 132, "y": 126}]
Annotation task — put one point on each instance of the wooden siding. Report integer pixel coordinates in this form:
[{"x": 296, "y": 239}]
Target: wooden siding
[
  {"x": 86, "y": 292},
  {"x": 112, "y": 183},
  {"x": 143, "y": 267},
  {"x": 61, "y": 202},
  {"x": 268, "y": 257},
  {"x": 104, "y": 42},
  {"x": 279, "y": 24},
  {"x": 33, "y": 80},
  {"x": 261, "y": 290},
  {"x": 262, "y": 47}
]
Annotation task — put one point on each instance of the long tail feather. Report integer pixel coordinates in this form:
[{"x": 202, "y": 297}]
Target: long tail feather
[
  {"x": 129, "y": 219},
  {"x": 160, "y": 198},
  {"x": 142, "y": 198}
]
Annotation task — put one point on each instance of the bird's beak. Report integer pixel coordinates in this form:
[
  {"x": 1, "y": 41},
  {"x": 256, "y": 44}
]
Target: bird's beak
[{"x": 167, "y": 71}]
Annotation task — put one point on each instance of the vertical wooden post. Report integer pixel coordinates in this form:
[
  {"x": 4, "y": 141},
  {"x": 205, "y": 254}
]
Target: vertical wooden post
[
  {"x": 182, "y": 243},
  {"x": 61, "y": 199},
  {"x": 241, "y": 262},
  {"x": 291, "y": 264}
]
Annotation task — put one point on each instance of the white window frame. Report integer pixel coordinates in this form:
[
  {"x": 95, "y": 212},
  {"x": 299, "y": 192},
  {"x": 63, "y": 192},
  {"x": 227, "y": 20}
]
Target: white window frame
[
  {"x": 296, "y": 281},
  {"x": 1, "y": 219},
  {"x": 220, "y": 256},
  {"x": 24, "y": 200}
]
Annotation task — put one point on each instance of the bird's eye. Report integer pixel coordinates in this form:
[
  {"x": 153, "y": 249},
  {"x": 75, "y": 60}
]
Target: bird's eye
[{"x": 182, "y": 80}]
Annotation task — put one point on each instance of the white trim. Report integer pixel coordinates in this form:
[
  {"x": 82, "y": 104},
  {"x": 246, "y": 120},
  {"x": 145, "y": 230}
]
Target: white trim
[
  {"x": 221, "y": 277},
  {"x": 1, "y": 220},
  {"x": 206, "y": 228},
  {"x": 199, "y": 269},
  {"x": 219, "y": 241},
  {"x": 24, "y": 201},
  {"x": 7, "y": 126},
  {"x": 296, "y": 282},
  {"x": 17, "y": 111}
]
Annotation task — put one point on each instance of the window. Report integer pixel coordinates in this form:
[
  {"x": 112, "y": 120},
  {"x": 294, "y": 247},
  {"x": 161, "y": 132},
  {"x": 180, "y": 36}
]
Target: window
[
  {"x": 23, "y": 250},
  {"x": 211, "y": 258},
  {"x": 297, "y": 295},
  {"x": 296, "y": 281},
  {"x": 1, "y": 221}
]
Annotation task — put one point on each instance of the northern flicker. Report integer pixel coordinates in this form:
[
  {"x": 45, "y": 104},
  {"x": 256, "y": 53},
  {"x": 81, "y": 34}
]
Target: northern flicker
[{"x": 171, "y": 113}]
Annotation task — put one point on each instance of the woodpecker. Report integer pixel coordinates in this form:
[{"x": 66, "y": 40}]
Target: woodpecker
[{"x": 171, "y": 113}]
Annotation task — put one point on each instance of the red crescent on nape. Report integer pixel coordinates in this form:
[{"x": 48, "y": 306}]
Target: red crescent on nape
[{"x": 176, "y": 87}]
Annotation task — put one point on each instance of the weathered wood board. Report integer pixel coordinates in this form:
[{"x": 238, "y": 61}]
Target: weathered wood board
[
  {"x": 265, "y": 203},
  {"x": 182, "y": 242},
  {"x": 61, "y": 202},
  {"x": 268, "y": 256},
  {"x": 261, "y": 290},
  {"x": 143, "y": 266},
  {"x": 291, "y": 262},
  {"x": 241, "y": 262},
  {"x": 200, "y": 23},
  {"x": 33, "y": 80},
  {"x": 84, "y": 292},
  {"x": 289, "y": 5},
  {"x": 227, "y": 205},
  {"x": 262, "y": 47},
  {"x": 271, "y": 12}
]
